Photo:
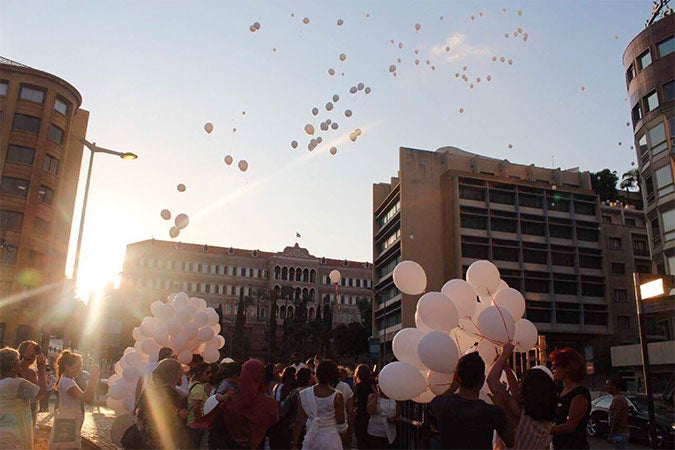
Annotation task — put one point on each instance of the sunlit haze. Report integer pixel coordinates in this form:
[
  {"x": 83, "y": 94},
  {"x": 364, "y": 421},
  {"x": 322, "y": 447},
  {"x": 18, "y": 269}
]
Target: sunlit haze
[{"x": 153, "y": 73}]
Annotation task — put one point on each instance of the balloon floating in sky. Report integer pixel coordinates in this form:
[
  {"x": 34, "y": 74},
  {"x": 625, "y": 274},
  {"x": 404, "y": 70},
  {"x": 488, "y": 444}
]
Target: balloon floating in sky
[
  {"x": 464, "y": 68},
  {"x": 329, "y": 106},
  {"x": 305, "y": 20},
  {"x": 336, "y": 98},
  {"x": 392, "y": 68},
  {"x": 243, "y": 165},
  {"x": 319, "y": 139},
  {"x": 334, "y": 125},
  {"x": 616, "y": 37},
  {"x": 309, "y": 129},
  {"x": 331, "y": 72},
  {"x": 417, "y": 52},
  {"x": 494, "y": 58},
  {"x": 506, "y": 35},
  {"x": 520, "y": 12},
  {"x": 243, "y": 113},
  {"x": 417, "y": 62},
  {"x": 348, "y": 113},
  {"x": 461, "y": 110},
  {"x": 340, "y": 22},
  {"x": 352, "y": 90},
  {"x": 473, "y": 17},
  {"x": 367, "y": 90},
  {"x": 343, "y": 56},
  {"x": 181, "y": 187},
  {"x": 520, "y": 30},
  {"x": 510, "y": 145},
  {"x": 234, "y": 130},
  {"x": 174, "y": 232},
  {"x": 182, "y": 221},
  {"x": 489, "y": 78},
  {"x": 315, "y": 111},
  {"x": 583, "y": 88},
  {"x": 400, "y": 45},
  {"x": 208, "y": 127},
  {"x": 229, "y": 160},
  {"x": 166, "y": 214},
  {"x": 510, "y": 61},
  {"x": 333, "y": 150},
  {"x": 447, "y": 49},
  {"x": 294, "y": 144},
  {"x": 502, "y": 59},
  {"x": 360, "y": 86},
  {"x": 417, "y": 27}
]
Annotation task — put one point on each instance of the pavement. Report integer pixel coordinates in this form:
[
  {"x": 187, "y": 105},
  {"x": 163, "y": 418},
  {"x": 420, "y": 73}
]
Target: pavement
[
  {"x": 98, "y": 420},
  {"x": 601, "y": 443}
]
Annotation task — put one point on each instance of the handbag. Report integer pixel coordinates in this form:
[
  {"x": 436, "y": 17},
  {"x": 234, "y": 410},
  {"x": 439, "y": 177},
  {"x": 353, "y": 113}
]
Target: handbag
[{"x": 65, "y": 431}]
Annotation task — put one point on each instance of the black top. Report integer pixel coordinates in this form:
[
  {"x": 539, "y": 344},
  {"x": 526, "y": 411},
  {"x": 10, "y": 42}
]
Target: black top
[
  {"x": 576, "y": 439},
  {"x": 464, "y": 423},
  {"x": 361, "y": 393}
]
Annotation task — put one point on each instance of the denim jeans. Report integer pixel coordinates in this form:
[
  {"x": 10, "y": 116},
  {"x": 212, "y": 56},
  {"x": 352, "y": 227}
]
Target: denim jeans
[{"x": 620, "y": 441}]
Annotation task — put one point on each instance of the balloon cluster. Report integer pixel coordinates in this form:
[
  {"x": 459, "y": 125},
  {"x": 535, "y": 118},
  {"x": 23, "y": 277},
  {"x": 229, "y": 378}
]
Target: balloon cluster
[
  {"x": 180, "y": 222},
  {"x": 478, "y": 314},
  {"x": 184, "y": 324}
]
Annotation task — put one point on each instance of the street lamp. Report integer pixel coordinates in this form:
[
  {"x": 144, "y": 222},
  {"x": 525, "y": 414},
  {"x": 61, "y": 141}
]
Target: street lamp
[
  {"x": 653, "y": 287},
  {"x": 93, "y": 148}
]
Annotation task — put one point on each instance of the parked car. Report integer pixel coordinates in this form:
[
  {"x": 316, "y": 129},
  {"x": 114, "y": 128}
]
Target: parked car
[{"x": 638, "y": 420}]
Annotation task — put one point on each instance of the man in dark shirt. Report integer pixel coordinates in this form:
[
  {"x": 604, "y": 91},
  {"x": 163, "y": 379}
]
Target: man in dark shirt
[
  {"x": 463, "y": 420},
  {"x": 619, "y": 410}
]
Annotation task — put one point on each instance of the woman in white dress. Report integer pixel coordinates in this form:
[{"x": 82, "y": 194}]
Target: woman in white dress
[
  {"x": 324, "y": 408},
  {"x": 382, "y": 423}
]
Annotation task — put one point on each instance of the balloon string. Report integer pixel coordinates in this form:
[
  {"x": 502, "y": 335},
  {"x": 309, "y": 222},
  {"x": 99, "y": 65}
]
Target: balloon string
[{"x": 499, "y": 310}]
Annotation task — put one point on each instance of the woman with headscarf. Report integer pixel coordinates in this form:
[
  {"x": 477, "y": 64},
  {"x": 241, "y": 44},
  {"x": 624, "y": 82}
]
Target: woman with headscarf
[
  {"x": 161, "y": 415},
  {"x": 249, "y": 412}
]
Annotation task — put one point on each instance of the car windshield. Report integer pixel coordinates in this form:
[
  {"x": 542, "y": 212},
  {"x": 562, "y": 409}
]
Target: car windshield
[{"x": 659, "y": 405}]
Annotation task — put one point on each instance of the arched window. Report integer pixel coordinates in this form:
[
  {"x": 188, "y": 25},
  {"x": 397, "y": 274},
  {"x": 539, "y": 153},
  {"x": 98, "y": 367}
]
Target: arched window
[
  {"x": 305, "y": 275},
  {"x": 277, "y": 290},
  {"x": 291, "y": 273},
  {"x": 312, "y": 276},
  {"x": 277, "y": 271},
  {"x": 305, "y": 293},
  {"x": 310, "y": 314},
  {"x": 312, "y": 294},
  {"x": 298, "y": 274},
  {"x": 284, "y": 273},
  {"x": 289, "y": 312},
  {"x": 282, "y": 312}
]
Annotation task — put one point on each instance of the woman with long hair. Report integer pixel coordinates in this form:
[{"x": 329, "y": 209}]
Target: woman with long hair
[
  {"x": 161, "y": 416},
  {"x": 249, "y": 412},
  {"x": 303, "y": 380},
  {"x": 530, "y": 406},
  {"x": 382, "y": 424},
  {"x": 364, "y": 383},
  {"x": 28, "y": 353},
  {"x": 71, "y": 397},
  {"x": 16, "y": 393},
  {"x": 281, "y": 434},
  {"x": 574, "y": 401},
  {"x": 201, "y": 374}
]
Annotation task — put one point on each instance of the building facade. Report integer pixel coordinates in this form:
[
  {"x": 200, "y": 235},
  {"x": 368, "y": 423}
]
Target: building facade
[
  {"x": 41, "y": 125},
  {"x": 543, "y": 228},
  {"x": 153, "y": 269}
]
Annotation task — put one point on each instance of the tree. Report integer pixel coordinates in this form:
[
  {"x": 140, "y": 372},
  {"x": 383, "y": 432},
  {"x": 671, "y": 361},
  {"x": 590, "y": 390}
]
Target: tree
[
  {"x": 238, "y": 338},
  {"x": 272, "y": 327},
  {"x": 630, "y": 180},
  {"x": 366, "y": 311},
  {"x": 351, "y": 339},
  {"x": 604, "y": 184}
]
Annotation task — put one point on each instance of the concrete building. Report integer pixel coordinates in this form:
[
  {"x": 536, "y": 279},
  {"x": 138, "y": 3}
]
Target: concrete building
[
  {"x": 153, "y": 269},
  {"x": 543, "y": 228},
  {"x": 41, "y": 124}
]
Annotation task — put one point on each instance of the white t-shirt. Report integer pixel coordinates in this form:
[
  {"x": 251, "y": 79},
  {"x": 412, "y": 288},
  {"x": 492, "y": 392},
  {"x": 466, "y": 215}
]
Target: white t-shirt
[
  {"x": 148, "y": 371},
  {"x": 346, "y": 392},
  {"x": 66, "y": 401},
  {"x": 298, "y": 366}
]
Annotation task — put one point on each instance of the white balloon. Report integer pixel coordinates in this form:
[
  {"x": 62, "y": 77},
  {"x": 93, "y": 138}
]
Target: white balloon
[
  {"x": 215, "y": 328},
  {"x": 154, "y": 307},
  {"x": 174, "y": 326},
  {"x": 525, "y": 336},
  {"x": 512, "y": 301},
  {"x": 221, "y": 341},
  {"x": 149, "y": 346},
  {"x": 487, "y": 351},
  {"x": 181, "y": 299},
  {"x": 211, "y": 355},
  {"x": 401, "y": 381},
  {"x": 128, "y": 403},
  {"x": 148, "y": 326},
  {"x": 404, "y": 346},
  {"x": 334, "y": 276},
  {"x": 183, "y": 314},
  {"x": 463, "y": 340},
  {"x": 191, "y": 330},
  {"x": 133, "y": 358},
  {"x": 119, "y": 369},
  {"x": 438, "y": 352},
  {"x": 201, "y": 318},
  {"x": 496, "y": 324},
  {"x": 484, "y": 277},
  {"x": 209, "y": 404},
  {"x": 181, "y": 221},
  {"x": 166, "y": 311},
  {"x": 439, "y": 382},
  {"x": 116, "y": 405},
  {"x": 421, "y": 325},
  {"x": 117, "y": 390},
  {"x": 462, "y": 295},
  {"x": 131, "y": 374},
  {"x": 137, "y": 335},
  {"x": 410, "y": 278},
  {"x": 425, "y": 397},
  {"x": 437, "y": 312},
  {"x": 185, "y": 357},
  {"x": 198, "y": 303},
  {"x": 138, "y": 346},
  {"x": 114, "y": 378},
  {"x": 180, "y": 341},
  {"x": 213, "y": 316},
  {"x": 213, "y": 343},
  {"x": 161, "y": 335},
  {"x": 205, "y": 334}
]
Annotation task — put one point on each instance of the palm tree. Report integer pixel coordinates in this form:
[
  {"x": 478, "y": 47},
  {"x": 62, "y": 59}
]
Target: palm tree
[{"x": 630, "y": 180}]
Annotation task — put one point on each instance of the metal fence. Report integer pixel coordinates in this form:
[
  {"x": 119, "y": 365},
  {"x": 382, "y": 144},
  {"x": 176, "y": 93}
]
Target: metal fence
[{"x": 413, "y": 430}]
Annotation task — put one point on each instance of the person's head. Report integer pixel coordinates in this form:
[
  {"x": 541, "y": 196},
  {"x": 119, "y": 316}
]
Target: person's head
[
  {"x": 28, "y": 352},
  {"x": 168, "y": 373},
  {"x": 270, "y": 376},
  {"x": 295, "y": 358},
  {"x": 539, "y": 395},
  {"x": 231, "y": 371},
  {"x": 288, "y": 376},
  {"x": 614, "y": 384},
  {"x": 311, "y": 363},
  {"x": 303, "y": 377},
  {"x": 327, "y": 372},
  {"x": 10, "y": 363},
  {"x": 363, "y": 374},
  {"x": 196, "y": 359},
  {"x": 69, "y": 364},
  {"x": 201, "y": 372},
  {"x": 164, "y": 353},
  {"x": 344, "y": 373},
  {"x": 568, "y": 365},
  {"x": 278, "y": 369},
  {"x": 470, "y": 371}
]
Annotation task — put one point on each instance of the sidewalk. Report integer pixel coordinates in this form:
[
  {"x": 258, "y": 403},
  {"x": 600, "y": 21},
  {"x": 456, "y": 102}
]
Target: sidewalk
[{"x": 98, "y": 420}]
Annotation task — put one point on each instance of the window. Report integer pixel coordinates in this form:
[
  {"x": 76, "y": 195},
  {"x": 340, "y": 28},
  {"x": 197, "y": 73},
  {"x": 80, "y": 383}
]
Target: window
[
  {"x": 624, "y": 322},
  {"x": 32, "y": 94},
  {"x": 640, "y": 247},
  {"x": 669, "y": 92},
  {"x": 20, "y": 154},
  {"x": 630, "y": 223},
  {"x": 644, "y": 59},
  {"x": 3, "y": 88},
  {"x": 61, "y": 106},
  {"x": 14, "y": 186},
  {"x": 46, "y": 194},
  {"x": 637, "y": 112},
  {"x": 23, "y": 122},
  {"x": 41, "y": 227},
  {"x": 652, "y": 101},
  {"x": 665, "y": 47},
  {"x": 606, "y": 219},
  {"x": 642, "y": 144},
  {"x": 668, "y": 219},
  {"x": 657, "y": 134},
  {"x": 56, "y": 134},
  {"x": 51, "y": 165},
  {"x": 615, "y": 243},
  {"x": 620, "y": 295},
  {"x": 630, "y": 73},
  {"x": 619, "y": 268},
  {"x": 664, "y": 180},
  {"x": 11, "y": 220}
]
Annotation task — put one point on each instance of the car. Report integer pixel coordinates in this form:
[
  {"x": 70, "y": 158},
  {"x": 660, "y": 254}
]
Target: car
[{"x": 638, "y": 420}]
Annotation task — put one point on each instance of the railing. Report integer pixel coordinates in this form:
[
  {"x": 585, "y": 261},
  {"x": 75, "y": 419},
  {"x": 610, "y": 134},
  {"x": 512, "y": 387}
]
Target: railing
[{"x": 413, "y": 429}]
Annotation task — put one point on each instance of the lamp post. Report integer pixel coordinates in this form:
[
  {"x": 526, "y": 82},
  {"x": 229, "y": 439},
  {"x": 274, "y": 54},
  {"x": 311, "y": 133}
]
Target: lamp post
[
  {"x": 93, "y": 148},
  {"x": 654, "y": 288}
]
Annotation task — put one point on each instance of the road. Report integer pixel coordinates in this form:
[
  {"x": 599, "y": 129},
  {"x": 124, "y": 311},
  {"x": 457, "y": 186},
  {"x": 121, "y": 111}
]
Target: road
[{"x": 601, "y": 443}]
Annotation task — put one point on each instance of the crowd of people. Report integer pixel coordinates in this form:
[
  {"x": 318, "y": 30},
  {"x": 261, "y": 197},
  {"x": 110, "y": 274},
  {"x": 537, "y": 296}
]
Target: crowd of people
[{"x": 313, "y": 404}]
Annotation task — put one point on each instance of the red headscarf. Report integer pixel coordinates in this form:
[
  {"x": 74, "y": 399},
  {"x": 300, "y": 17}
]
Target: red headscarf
[{"x": 250, "y": 412}]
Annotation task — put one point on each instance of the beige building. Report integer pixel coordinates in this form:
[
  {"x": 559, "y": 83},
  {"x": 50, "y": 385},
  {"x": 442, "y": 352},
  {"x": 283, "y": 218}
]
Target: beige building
[
  {"x": 153, "y": 269},
  {"x": 41, "y": 124},
  {"x": 543, "y": 228}
]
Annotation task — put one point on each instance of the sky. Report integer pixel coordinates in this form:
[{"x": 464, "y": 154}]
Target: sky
[{"x": 153, "y": 73}]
